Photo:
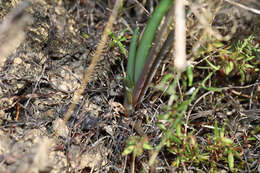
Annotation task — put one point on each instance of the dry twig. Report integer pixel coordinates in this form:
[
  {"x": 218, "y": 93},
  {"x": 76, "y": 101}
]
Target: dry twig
[{"x": 94, "y": 61}]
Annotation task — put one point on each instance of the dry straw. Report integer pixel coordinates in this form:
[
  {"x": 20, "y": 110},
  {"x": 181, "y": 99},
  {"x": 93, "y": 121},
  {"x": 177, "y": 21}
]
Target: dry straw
[{"x": 94, "y": 61}]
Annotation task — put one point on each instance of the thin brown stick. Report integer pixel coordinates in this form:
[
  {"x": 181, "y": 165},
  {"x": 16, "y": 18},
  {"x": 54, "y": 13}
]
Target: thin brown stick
[{"x": 94, "y": 61}]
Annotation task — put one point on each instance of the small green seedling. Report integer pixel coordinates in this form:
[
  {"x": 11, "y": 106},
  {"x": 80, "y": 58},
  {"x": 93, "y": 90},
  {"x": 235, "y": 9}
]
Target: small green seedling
[
  {"x": 117, "y": 41},
  {"x": 136, "y": 145}
]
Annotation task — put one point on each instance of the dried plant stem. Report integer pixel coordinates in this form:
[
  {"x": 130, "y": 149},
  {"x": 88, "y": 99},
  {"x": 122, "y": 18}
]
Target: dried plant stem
[
  {"x": 180, "y": 61},
  {"x": 94, "y": 61},
  {"x": 256, "y": 11}
]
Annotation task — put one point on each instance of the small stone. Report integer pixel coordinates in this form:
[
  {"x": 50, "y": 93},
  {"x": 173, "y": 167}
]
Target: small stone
[
  {"x": 60, "y": 128},
  {"x": 18, "y": 61}
]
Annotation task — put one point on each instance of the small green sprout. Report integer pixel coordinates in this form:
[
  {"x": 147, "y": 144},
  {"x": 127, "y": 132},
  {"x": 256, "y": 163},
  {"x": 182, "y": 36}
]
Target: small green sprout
[
  {"x": 117, "y": 40},
  {"x": 136, "y": 145}
]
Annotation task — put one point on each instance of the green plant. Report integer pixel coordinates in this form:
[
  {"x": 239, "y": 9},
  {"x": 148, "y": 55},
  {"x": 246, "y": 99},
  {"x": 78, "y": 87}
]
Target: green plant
[
  {"x": 187, "y": 151},
  {"x": 136, "y": 83},
  {"x": 241, "y": 60},
  {"x": 222, "y": 147},
  {"x": 117, "y": 40},
  {"x": 136, "y": 145},
  {"x": 182, "y": 144},
  {"x": 173, "y": 117}
]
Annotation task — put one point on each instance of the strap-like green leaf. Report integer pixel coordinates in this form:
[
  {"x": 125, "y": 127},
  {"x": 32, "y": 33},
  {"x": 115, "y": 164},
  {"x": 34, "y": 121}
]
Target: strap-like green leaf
[
  {"x": 131, "y": 56},
  {"x": 148, "y": 36}
]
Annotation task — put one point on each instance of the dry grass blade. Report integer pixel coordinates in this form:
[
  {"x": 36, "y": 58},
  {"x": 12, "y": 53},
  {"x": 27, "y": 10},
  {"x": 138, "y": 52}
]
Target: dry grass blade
[
  {"x": 256, "y": 11},
  {"x": 12, "y": 30},
  {"x": 180, "y": 61},
  {"x": 94, "y": 61}
]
